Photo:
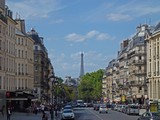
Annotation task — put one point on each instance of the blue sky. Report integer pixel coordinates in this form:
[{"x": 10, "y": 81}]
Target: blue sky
[{"x": 94, "y": 27}]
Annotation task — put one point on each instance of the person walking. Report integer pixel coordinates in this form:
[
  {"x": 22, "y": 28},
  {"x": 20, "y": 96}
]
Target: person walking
[
  {"x": 8, "y": 113},
  {"x": 44, "y": 116},
  {"x": 3, "y": 107}
]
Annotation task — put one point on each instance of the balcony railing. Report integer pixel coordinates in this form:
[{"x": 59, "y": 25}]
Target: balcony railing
[
  {"x": 139, "y": 61},
  {"x": 136, "y": 83},
  {"x": 3, "y": 18},
  {"x": 140, "y": 52},
  {"x": 139, "y": 72}
]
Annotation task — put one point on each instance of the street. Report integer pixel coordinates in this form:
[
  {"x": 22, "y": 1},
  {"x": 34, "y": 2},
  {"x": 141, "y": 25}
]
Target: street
[
  {"x": 90, "y": 114},
  {"x": 80, "y": 114}
]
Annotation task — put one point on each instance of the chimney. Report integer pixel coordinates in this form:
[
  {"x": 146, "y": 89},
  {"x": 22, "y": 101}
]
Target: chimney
[{"x": 2, "y": 5}]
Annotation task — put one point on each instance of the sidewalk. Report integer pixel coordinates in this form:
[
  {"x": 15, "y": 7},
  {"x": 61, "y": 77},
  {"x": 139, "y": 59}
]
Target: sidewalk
[{"x": 28, "y": 116}]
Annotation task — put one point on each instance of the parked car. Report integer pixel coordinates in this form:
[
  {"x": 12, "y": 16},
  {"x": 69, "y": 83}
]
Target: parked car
[
  {"x": 124, "y": 108},
  {"x": 149, "y": 116},
  {"x": 103, "y": 109},
  {"x": 68, "y": 114},
  {"x": 132, "y": 109}
]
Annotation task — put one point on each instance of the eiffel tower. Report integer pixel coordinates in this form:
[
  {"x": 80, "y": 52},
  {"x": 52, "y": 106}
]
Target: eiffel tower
[{"x": 82, "y": 67}]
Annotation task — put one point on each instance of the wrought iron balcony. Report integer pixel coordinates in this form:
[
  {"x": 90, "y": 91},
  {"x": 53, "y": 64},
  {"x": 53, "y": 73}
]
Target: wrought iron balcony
[{"x": 3, "y": 18}]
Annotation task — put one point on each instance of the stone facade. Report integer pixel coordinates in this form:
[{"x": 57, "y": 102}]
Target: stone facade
[{"x": 153, "y": 62}]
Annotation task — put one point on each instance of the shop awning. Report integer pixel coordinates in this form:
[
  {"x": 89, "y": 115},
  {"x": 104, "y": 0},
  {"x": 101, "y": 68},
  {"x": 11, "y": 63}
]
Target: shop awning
[{"x": 17, "y": 99}]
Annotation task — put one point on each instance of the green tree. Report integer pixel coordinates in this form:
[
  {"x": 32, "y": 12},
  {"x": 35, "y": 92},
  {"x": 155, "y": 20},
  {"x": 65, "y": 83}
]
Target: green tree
[{"x": 90, "y": 87}]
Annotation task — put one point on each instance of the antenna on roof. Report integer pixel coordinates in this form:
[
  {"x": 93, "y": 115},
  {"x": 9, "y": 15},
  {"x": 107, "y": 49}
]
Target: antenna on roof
[
  {"x": 149, "y": 21},
  {"x": 16, "y": 15}
]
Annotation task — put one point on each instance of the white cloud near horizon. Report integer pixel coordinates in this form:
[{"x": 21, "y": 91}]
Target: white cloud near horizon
[
  {"x": 118, "y": 17},
  {"x": 91, "y": 58},
  {"x": 132, "y": 10},
  {"x": 74, "y": 37},
  {"x": 31, "y": 9}
]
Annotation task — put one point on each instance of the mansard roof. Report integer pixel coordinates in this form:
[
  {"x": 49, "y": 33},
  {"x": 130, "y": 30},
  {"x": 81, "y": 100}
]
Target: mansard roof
[
  {"x": 157, "y": 28},
  {"x": 34, "y": 35},
  {"x": 18, "y": 32}
]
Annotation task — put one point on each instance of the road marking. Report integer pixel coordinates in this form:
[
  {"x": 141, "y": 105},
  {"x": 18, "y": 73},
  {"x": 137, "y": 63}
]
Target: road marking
[{"x": 95, "y": 114}]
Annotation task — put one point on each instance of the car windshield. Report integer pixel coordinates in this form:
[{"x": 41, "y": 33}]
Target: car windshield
[
  {"x": 134, "y": 107},
  {"x": 68, "y": 107},
  {"x": 67, "y": 111},
  {"x": 103, "y": 107}
]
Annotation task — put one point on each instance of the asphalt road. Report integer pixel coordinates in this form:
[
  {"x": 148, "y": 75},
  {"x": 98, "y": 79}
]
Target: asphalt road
[
  {"x": 90, "y": 114},
  {"x": 80, "y": 114}
]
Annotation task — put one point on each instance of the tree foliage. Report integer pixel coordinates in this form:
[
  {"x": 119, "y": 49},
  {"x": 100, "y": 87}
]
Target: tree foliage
[
  {"x": 69, "y": 92},
  {"x": 90, "y": 87}
]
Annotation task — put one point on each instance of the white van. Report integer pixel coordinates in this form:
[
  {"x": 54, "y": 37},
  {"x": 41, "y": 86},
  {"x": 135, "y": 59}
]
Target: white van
[{"x": 132, "y": 109}]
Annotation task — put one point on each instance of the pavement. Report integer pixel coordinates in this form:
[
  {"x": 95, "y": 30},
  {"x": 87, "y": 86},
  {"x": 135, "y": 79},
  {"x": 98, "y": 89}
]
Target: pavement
[{"x": 28, "y": 116}]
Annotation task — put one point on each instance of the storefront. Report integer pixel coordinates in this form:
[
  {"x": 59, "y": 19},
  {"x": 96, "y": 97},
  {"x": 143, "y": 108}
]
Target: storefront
[{"x": 19, "y": 101}]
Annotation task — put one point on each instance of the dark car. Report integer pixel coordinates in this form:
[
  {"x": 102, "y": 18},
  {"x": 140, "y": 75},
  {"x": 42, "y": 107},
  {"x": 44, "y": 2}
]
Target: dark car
[{"x": 149, "y": 116}]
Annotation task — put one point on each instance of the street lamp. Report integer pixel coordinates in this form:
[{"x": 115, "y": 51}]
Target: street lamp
[{"x": 52, "y": 90}]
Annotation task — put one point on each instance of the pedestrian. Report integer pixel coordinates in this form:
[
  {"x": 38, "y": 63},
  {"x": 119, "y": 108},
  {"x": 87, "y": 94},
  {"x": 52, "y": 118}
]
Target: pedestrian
[
  {"x": 2, "y": 110},
  {"x": 8, "y": 113},
  {"x": 44, "y": 116}
]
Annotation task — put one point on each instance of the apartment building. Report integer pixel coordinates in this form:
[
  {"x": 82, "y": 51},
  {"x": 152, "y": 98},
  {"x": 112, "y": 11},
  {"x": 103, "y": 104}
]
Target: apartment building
[
  {"x": 137, "y": 65},
  {"x": 153, "y": 62},
  {"x": 129, "y": 75},
  {"x": 7, "y": 48},
  {"x": 109, "y": 81},
  {"x": 24, "y": 61},
  {"x": 115, "y": 81},
  {"x": 123, "y": 68},
  {"x": 41, "y": 66},
  {"x": 104, "y": 87}
]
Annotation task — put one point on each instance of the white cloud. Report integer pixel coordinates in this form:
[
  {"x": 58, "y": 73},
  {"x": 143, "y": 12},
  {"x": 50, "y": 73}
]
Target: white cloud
[
  {"x": 57, "y": 21},
  {"x": 90, "y": 35},
  {"x": 75, "y": 37},
  {"x": 70, "y": 64},
  {"x": 118, "y": 17},
  {"x": 31, "y": 9},
  {"x": 103, "y": 36},
  {"x": 131, "y": 10}
]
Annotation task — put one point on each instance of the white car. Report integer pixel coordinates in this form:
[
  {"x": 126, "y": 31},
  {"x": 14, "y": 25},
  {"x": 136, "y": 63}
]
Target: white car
[
  {"x": 68, "y": 114},
  {"x": 103, "y": 109}
]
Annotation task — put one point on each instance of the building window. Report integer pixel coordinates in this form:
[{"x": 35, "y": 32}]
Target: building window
[
  {"x": 0, "y": 82},
  {"x": 0, "y": 44},
  {"x": 19, "y": 69},
  {"x": 18, "y": 40},
  {"x": 22, "y": 69},
  {"x": 36, "y": 47},
  {"x": 19, "y": 52},
  {"x": 25, "y": 54},
  {"x": 22, "y": 41},
  {"x": 0, "y": 63},
  {"x": 22, "y": 53},
  {"x": 36, "y": 68}
]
